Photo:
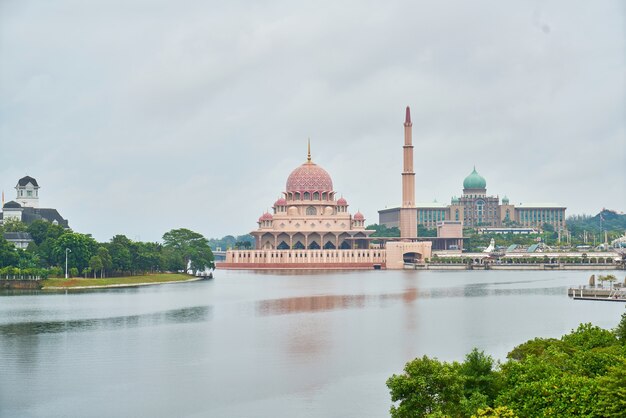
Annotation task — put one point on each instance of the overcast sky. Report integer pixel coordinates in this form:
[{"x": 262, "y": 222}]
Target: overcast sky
[{"x": 137, "y": 117}]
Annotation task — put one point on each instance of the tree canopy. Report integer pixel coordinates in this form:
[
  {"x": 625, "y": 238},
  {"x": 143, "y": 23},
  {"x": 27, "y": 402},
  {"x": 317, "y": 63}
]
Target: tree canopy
[
  {"x": 581, "y": 374},
  {"x": 121, "y": 256},
  {"x": 191, "y": 246}
]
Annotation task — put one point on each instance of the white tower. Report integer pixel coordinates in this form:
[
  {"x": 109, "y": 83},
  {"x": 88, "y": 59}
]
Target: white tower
[{"x": 27, "y": 192}]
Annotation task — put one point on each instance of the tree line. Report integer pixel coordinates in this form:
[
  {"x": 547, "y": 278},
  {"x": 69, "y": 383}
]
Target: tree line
[
  {"x": 181, "y": 250},
  {"x": 231, "y": 242},
  {"x": 581, "y": 374}
]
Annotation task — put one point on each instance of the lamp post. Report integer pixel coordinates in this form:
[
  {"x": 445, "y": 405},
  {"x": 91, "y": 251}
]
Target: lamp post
[{"x": 67, "y": 250}]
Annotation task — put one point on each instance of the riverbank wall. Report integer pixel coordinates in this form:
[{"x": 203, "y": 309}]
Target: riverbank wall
[
  {"x": 20, "y": 284},
  {"x": 299, "y": 266},
  {"x": 541, "y": 266}
]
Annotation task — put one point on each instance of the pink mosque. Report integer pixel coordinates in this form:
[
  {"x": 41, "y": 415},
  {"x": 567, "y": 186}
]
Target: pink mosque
[{"x": 311, "y": 229}]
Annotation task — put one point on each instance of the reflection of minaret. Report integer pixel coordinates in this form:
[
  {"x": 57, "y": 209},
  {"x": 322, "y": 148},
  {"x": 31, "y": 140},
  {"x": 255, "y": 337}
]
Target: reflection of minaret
[{"x": 408, "y": 211}]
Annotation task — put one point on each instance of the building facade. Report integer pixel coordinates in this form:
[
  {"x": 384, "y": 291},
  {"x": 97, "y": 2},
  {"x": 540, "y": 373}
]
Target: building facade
[
  {"x": 310, "y": 228},
  {"x": 25, "y": 207},
  {"x": 475, "y": 208},
  {"x": 310, "y": 217}
]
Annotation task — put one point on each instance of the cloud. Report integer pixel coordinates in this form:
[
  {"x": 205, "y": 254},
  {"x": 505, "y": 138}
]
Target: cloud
[{"x": 137, "y": 117}]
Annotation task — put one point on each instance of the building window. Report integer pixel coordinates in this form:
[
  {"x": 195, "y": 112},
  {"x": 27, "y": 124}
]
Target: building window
[
  {"x": 316, "y": 196},
  {"x": 29, "y": 193},
  {"x": 479, "y": 211},
  {"x": 307, "y": 196},
  {"x": 310, "y": 211}
]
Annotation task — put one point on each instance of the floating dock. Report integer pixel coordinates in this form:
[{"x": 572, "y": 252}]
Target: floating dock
[{"x": 592, "y": 293}]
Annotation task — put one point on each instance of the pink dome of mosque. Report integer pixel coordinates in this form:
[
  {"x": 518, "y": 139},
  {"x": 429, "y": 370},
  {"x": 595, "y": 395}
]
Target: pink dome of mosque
[
  {"x": 280, "y": 202},
  {"x": 309, "y": 177},
  {"x": 359, "y": 216},
  {"x": 266, "y": 217},
  {"x": 342, "y": 202}
]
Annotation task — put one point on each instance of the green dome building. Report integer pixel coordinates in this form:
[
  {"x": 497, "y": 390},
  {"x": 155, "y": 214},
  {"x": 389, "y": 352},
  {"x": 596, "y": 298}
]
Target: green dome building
[
  {"x": 477, "y": 209},
  {"x": 474, "y": 181}
]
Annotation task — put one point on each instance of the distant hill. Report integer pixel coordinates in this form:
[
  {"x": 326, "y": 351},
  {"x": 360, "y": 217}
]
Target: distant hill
[{"x": 606, "y": 220}]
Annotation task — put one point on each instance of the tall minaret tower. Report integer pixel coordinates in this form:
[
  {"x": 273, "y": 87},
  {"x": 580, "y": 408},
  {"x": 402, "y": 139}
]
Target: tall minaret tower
[{"x": 408, "y": 211}]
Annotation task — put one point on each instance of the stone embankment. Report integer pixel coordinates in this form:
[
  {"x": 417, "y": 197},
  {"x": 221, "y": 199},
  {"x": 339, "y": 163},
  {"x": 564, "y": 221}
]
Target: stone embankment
[
  {"x": 20, "y": 284},
  {"x": 539, "y": 266}
]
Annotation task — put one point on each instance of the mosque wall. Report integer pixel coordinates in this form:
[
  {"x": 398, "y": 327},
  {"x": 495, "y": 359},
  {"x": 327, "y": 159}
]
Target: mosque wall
[{"x": 365, "y": 258}]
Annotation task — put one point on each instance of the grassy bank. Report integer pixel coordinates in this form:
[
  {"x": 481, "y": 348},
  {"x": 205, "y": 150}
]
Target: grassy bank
[{"x": 116, "y": 281}]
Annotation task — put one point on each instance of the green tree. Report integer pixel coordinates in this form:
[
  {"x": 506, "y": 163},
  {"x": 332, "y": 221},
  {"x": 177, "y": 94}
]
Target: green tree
[
  {"x": 191, "y": 246},
  {"x": 612, "y": 391},
  {"x": 383, "y": 231},
  {"x": 588, "y": 336},
  {"x": 478, "y": 370},
  {"x": 620, "y": 330},
  {"x": 119, "y": 250},
  {"x": 8, "y": 253},
  {"x": 41, "y": 230},
  {"x": 107, "y": 261},
  {"x": 171, "y": 260},
  {"x": 13, "y": 225},
  {"x": 535, "y": 347},
  {"x": 427, "y": 386},
  {"x": 147, "y": 256},
  {"x": 499, "y": 412},
  {"x": 81, "y": 247},
  {"x": 95, "y": 264}
]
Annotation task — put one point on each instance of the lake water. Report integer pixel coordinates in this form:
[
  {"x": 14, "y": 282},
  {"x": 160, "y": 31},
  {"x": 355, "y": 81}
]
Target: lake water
[{"x": 266, "y": 344}]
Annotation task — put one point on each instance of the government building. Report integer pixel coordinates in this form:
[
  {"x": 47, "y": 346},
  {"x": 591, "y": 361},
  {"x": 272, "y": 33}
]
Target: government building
[{"x": 476, "y": 209}]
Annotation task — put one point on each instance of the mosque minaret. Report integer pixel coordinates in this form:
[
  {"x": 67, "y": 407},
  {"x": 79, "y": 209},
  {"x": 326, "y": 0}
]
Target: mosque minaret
[{"x": 408, "y": 211}]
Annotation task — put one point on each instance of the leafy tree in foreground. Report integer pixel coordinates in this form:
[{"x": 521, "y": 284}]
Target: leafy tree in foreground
[
  {"x": 499, "y": 412},
  {"x": 620, "y": 330},
  {"x": 612, "y": 391},
  {"x": 581, "y": 374},
  {"x": 427, "y": 386},
  {"x": 479, "y": 375}
]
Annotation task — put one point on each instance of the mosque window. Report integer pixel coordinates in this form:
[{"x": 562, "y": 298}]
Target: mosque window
[
  {"x": 316, "y": 196},
  {"x": 307, "y": 196},
  {"x": 310, "y": 211},
  {"x": 297, "y": 196}
]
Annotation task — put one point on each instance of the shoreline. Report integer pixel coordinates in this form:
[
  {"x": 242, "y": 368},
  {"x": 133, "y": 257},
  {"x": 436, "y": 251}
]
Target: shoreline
[
  {"x": 459, "y": 266},
  {"x": 119, "y": 285}
]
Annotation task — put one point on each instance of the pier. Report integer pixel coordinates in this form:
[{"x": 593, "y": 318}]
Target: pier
[{"x": 617, "y": 294}]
